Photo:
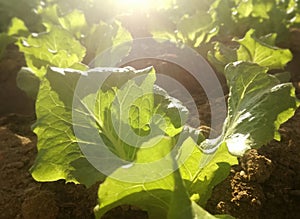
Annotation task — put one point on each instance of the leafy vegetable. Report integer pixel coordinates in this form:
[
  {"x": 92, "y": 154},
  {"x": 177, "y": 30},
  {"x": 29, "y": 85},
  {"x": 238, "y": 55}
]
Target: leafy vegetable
[
  {"x": 155, "y": 194},
  {"x": 264, "y": 53},
  {"x": 54, "y": 48},
  {"x": 115, "y": 125},
  {"x": 157, "y": 197},
  {"x": 55, "y": 120},
  {"x": 193, "y": 27},
  {"x": 59, "y": 155},
  {"x": 261, "y": 51},
  {"x": 254, "y": 114}
]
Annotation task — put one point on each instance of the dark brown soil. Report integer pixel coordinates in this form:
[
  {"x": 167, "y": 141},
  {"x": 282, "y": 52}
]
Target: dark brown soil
[
  {"x": 12, "y": 99},
  {"x": 266, "y": 184}
]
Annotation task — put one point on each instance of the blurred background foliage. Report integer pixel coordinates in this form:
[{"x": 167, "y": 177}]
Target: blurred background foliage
[{"x": 197, "y": 23}]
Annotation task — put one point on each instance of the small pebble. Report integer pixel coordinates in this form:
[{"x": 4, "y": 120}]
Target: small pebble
[{"x": 242, "y": 173}]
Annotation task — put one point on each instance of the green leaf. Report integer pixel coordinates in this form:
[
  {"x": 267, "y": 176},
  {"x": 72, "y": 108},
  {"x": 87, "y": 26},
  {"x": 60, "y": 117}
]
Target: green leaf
[
  {"x": 202, "y": 171},
  {"x": 186, "y": 24},
  {"x": 181, "y": 205},
  {"x": 283, "y": 77},
  {"x": 141, "y": 167},
  {"x": 244, "y": 8},
  {"x": 55, "y": 48},
  {"x": 257, "y": 51},
  {"x": 17, "y": 28},
  {"x": 160, "y": 197},
  {"x": 153, "y": 196},
  {"x": 69, "y": 119},
  {"x": 173, "y": 113},
  {"x": 197, "y": 28},
  {"x": 74, "y": 22},
  {"x": 255, "y": 8},
  {"x": 199, "y": 212},
  {"x": 107, "y": 43},
  {"x": 254, "y": 115},
  {"x": 221, "y": 55},
  {"x": 130, "y": 108},
  {"x": 261, "y": 8},
  {"x": 59, "y": 156}
]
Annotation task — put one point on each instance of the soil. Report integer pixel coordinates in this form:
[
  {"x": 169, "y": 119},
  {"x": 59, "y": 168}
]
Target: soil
[{"x": 266, "y": 183}]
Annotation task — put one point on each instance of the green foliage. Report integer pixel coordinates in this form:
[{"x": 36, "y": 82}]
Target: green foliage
[
  {"x": 23, "y": 9},
  {"x": 192, "y": 23},
  {"x": 254, "y": 114},
  {"x": 56, "y": 47},
  {"x": 261, "y": 51},
  {"x": 157, "y": 197},
  {"x": 264, "y": 16},
  {"x": 130, "y": 116},
  {"x": 207, "y": 21},
  {"x": 61, "y": 154},
  {"x": 115, "y": 99}
]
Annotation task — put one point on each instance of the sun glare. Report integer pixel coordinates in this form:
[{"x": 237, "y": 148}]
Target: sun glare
[{"x": 135, "y": 4}]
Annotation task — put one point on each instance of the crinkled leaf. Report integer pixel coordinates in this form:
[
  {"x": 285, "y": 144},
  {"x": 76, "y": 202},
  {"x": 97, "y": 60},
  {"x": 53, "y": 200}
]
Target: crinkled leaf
[
  {"x": 59, "y": 156},
  {"x": 258, "y": 104},
  {"x": 132, "y": 112},
  {"x": 55, "y": 48},
  {"x": 173, "y": 113},
  {"x": 257, "y": 51},
  {"x": 96, "y": 111},
  {"x": 17, "y": 28},
  {"x": 261, "y": 51},
  {"x": 255, "y": 8},
  {"x": 74, "y": 22}
]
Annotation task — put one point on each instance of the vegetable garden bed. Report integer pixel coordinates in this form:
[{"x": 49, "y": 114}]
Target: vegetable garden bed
[
  {"x": 276, "y": 196},
  {"x": 47, "y": 131}
]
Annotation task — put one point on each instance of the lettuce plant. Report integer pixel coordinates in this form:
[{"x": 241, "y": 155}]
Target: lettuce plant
[
  {"x": 253, "y": 119},
  {"x": 114, "y": 124}
]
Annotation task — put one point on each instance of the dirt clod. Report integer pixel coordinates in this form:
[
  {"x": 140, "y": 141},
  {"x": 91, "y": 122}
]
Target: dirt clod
[{"x": 257, "y": 167}]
